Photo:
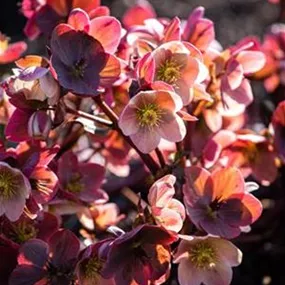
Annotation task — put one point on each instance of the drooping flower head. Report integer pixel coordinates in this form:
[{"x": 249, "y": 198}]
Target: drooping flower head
[
  {"x": 140, "y": 256},
  {"x": 219, "y": 203},
  {"x": 206, "y": 260},
  {"x": 149, "y": 116}
]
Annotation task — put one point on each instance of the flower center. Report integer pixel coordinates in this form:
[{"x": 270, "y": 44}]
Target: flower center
[
  {"x": 3, "y": 43},
  {"x": 23, "y": 232},
  {"x": 251, "y": 152},
  {"x": 169, "y": 71},
  {"x": 75, "y": 185},
  {"x": 93, "y": 268},
  {"x": 202, "y": 255},
  {"x": 79, "y": 67},
  {"x": 149, "y": 116},
  {"x": 8, "y": 183}
]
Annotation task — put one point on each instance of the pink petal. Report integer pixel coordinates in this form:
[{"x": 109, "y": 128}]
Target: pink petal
[
  {"x": 175, "y": 124},
  {"x": 146, "y": 140},
  {"x": 234, "y": 74},
  {"x": 178, "y": 207},
  {"x": 213, "y": 119},
  {"x": 170, "y": 219},
  {"x": 253, "y": 205},
  {"x": 173, "y": 31},
  {"x": 227, "y": 181},
  {"x": 79, "y": 20},
  {"x": 111, "y": 72},
  {"x": 220, "y": 274},
  {"x": 196, "y": 178},
  {"x": 227, "y": 251},
  {"x": 251, "y": 61},
  {"x": 162, "y": 191},
  {"x": 107, "y": 30},
  {"x": 188, "y": 274},
  {"x": 146, "y": 69},
  {"x": 13, "y": 52},
  {"x": 128, "y": 121}
]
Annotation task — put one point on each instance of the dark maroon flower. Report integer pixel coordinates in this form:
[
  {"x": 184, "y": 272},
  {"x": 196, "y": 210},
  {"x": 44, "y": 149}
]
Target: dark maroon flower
[
  {"x": 51, "y": 263},
  {"x": 140, "y": 256},
  {"x": 83, "y": 180},
  {"x": 84, "y": 68}
]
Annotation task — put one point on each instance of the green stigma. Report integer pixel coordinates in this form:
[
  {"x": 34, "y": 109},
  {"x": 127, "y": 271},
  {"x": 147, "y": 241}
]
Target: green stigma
[
  {"x": 93, "y": 268},
  {"x": 202, "y": 255},
  {"x": 149, "y": 116},
  {"x": 23, "y": 232},
  {"x": 169, "y": 71},
  {"x": 8, "y": 184},
  {"x": 75, "y": 185},
  {"x": 78, "y": 69}
]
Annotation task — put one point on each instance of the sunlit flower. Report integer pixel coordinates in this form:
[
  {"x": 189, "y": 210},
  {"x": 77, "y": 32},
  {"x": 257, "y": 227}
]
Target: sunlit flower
[
  {"x": 206, "y": 260},
  {"x": 149, "y": 116},
  {"x": 177, "y": 64},
  {"x": 167, "y": 211},
  {"x": 219, "y": 203}
]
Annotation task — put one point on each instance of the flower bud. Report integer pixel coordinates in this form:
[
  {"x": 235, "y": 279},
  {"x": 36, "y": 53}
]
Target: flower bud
[{"x": 39, "y": 125}]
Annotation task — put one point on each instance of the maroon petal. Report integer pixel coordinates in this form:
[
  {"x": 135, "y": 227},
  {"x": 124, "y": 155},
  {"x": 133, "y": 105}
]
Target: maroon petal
[{"x": 64, "y": 248}]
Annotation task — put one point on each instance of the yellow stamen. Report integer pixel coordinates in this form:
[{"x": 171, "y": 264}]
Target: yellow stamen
[
  {"x": 8, "y": 184},
  {"x": 169, "y": 71},
  {"x": 75, "y": 185},
  {"x": 93, "y": 268},
  {"x": 149, "y": 116},
  {"x": 203, "y": 255}
]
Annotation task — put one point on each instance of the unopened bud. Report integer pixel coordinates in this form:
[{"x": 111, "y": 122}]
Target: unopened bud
[{"x": 39, "y": 125}]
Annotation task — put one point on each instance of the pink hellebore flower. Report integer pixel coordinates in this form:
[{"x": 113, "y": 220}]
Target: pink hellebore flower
[
  {"x": 245, "y": 150},
  {"x": 14, "y": 190},
  {"x": 233, "y": 68},
  {"x": 81, "y": 180},
  {"x": 151, "y": 116},
  {"x": 199, "y": 31},
  {"x": 178, "y": 64},
  {"x": 206, "y": 260},
  {"x": 10, "y": 52},
  {"x": 167, "y": 211},
  {"x": 219, "y": 203}
]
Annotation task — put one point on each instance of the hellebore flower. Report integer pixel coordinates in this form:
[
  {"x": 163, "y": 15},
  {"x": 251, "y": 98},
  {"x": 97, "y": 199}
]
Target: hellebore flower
[
  {"x": 10, "y": 52},
  {"x": 219, "y": 203},
  {"x": 52, "y": 263},
  {"x": 83, "y": 180},
  {"x": 245, "y": 150},
  {"x": 25, "y": 228},
  {"x": 206, "y": 260},
  {"x": 15, "y": 189},
  {"x": 91, "y": 263},
  {"x": 199, "y": 31},
  {"x": 85, "y": 68},
  {"x": 167, "y": 211},
  {"x": 149, "y": 117},
  {"x": 140, "y": 256},
  {"x": 178, "y": 64}
]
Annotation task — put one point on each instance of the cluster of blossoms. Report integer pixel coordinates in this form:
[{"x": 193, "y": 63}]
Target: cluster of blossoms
[{"x": 151, "y": 109}]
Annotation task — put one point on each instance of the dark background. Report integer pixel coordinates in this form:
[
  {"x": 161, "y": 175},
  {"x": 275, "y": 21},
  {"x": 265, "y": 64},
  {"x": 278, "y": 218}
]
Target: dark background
[{"x": 264, "y": 247}]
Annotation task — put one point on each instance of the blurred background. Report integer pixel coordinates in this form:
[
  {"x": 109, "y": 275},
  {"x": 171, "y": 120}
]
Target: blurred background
[{"x": 264, "y": 247}]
